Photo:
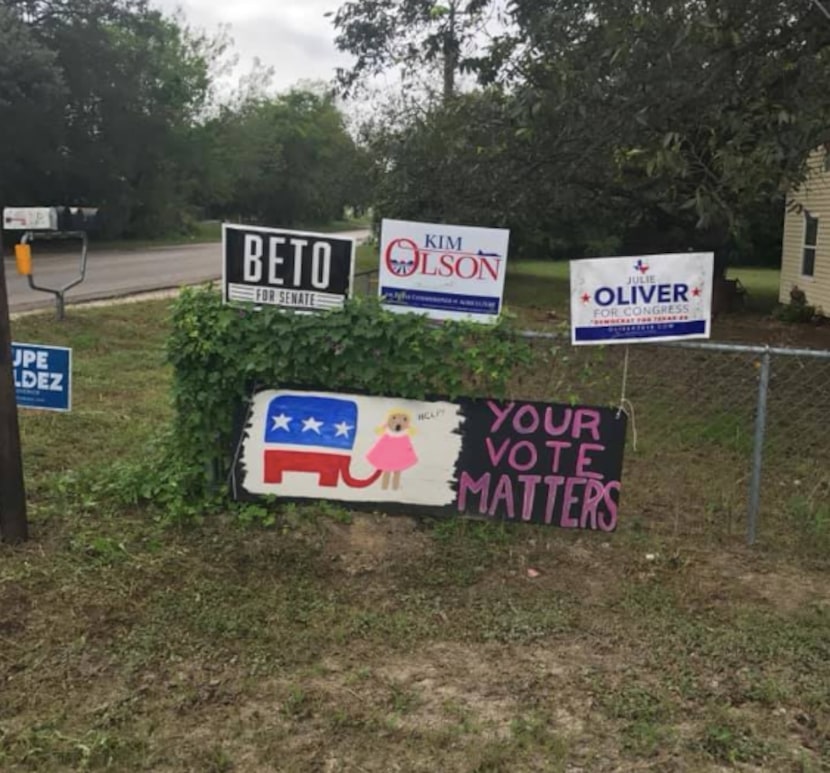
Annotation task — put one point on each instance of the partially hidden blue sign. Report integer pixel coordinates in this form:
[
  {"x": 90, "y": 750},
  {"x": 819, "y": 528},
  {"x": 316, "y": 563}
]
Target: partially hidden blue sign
[{"x": 42, "y": 376}]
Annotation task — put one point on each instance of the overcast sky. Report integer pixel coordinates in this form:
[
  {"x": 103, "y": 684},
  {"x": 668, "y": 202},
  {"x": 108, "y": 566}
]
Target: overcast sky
[{"x": 292, "y": 36}]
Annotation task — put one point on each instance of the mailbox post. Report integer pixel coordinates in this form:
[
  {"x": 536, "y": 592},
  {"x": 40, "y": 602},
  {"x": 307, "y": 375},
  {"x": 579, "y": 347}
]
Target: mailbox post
[{"x": 39, "y": 223}]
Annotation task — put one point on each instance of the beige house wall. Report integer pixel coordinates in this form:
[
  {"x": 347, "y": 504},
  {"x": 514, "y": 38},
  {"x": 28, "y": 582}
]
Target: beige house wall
[{"x": 814, "y": 196}]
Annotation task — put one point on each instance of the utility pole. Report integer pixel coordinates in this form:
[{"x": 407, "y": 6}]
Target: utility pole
[
  {"x": 13, "y": 525},
  {"x": 451, "y": 46}
]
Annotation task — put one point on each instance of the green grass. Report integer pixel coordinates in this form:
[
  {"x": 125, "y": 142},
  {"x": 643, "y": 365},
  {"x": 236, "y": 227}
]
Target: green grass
[
  {"x": 534, "y": 289},
  {"x": 762, "y": 285},
  {"x": 341, "y": 641}
]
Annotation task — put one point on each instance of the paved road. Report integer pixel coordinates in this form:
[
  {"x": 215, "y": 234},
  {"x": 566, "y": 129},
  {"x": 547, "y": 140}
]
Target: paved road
[{"x": 114, "y": 273}]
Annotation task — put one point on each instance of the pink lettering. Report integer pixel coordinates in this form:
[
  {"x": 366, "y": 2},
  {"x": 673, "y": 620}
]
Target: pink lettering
[
  {"x": 532, "y": 455},
  {"x": 586, "y": 418},
  {"x": 608, "y": 521},
  {"x": 594, "y": 493},
  {"x": 504, "y": 491},
  {"x": 554, "y": 429},
  {"x": 526, "y": 429},
  {"x": 569, "y": 499},
  {"x": 557, "y": 446},
  {"x": 583, "y": 460},
  {"x": 529, "y": 482},
  {"x": 500, "y": 414},
  {"x": 553, "y": 482},
  {"x": 496, "y": 456},
  {"x": 481, "y": 487}
]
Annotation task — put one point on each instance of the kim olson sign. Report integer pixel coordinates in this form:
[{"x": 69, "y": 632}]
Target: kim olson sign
[
  {"x": 641, "y": 299},
  {"x": 535, "y": 462},
  {"x": 443, "y": 271}
]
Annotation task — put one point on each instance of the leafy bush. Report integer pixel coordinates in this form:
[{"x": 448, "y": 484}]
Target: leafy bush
[
  {"x": 221, "y": 353},
  {"x": 799, "y": 313},
  {"x": 797, "y": 310}
]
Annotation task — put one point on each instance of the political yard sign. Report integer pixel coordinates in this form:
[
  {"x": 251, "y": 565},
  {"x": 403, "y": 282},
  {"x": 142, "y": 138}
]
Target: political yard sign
[
  {"x": 641, "y": 299},
  {"x": 289, "y": 269},
  {"x": 551, "y": 464},
  {"x": 42, "y": 376},
  {"x": 443, "y": 271}
]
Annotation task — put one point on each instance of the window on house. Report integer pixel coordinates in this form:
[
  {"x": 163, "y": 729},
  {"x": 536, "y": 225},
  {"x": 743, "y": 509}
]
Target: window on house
[{"x": 808, "y": 260}]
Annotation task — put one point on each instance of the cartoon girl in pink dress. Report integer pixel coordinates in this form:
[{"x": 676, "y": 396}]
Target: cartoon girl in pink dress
[{"x": 392, "y": 452}]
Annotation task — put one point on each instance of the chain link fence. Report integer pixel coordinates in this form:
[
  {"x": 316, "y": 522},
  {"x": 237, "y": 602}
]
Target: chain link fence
[{"x": 724, "y": 440}]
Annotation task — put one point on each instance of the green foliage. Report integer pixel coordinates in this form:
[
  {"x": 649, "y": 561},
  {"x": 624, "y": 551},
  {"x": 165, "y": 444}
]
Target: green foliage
[
  {"x": 639, "y": 127},
  {"x": 118, "y": 87},
  {"x": 111, "y": 103},
  {"x": 221, "y": 353},
  {"x": 731, "y": 741},
  {"x": 286, "y": 160},
  {"x": 797, "y": 311},
  {"x": 384, "y": 33}
]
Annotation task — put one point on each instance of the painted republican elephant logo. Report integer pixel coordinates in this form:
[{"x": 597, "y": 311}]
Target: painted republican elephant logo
[{"x": 307, "y": 433}]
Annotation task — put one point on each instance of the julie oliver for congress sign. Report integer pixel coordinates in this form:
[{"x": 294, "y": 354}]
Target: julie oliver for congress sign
[
  {"x": 642, "y": 298},
  {"x": 42, "y": 376},
  {"x": 443, "y": 271},
  {"x": 290, "y": 269}
]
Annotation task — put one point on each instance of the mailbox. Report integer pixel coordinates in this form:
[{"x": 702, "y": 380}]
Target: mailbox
[{"x": 50, "y": 219}]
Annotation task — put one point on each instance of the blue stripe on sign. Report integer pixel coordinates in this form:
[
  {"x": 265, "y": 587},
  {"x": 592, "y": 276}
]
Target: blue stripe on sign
[
  {"x": 427, "y": 299},
  {"x": 655, "y": 330}
]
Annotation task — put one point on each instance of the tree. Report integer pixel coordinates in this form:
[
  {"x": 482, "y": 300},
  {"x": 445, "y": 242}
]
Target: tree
[
  {"x": 410, "y": 34},
  {"x": 280, "y": 160},
  {"x": 635, "y": 125},
  {"x": 133, "y": 83},
  {"x": 32, "y": 91},
  {"x": 702, "y": 111}
]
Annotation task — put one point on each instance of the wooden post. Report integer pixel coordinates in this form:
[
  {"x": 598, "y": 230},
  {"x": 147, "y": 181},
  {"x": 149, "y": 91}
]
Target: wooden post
[{"x": 13, "y": 525}]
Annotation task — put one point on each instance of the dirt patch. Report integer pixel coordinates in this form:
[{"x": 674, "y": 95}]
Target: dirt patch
[
  {"x": 763, "y": 329},
  {"x": 373, "y": 542},
  {"x": 738, "y": 578},
  {"x": 15, "y": 605}
]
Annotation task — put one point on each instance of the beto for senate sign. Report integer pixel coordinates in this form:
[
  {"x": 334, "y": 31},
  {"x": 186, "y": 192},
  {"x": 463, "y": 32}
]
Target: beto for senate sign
[
  {"x": 443, "y": 271},
  {"x": 290, "y": 269},
  {"x": 641, "y": 298}
]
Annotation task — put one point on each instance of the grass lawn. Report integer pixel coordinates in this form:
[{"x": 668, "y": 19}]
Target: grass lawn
[
  {"x": 336, "y": 641},
  {"x": 762, "y": 285},
  {"x": 546, "y": 284}
]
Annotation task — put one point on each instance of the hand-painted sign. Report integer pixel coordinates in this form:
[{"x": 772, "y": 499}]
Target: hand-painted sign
[
  {"x": 289, "y": 269},
  {"x": 443, "y": 271},
  {"x": 524, "y": 461},
  {"x": 641, "y": 299},
  {"x": 42, "y": 376}
]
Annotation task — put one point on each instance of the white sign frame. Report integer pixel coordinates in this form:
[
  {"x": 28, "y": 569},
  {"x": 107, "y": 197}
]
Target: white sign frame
[
  {"x": 422, "y": 269},
  {"x": 641, "y": 298},
  {"x": 330, "y": 301}
]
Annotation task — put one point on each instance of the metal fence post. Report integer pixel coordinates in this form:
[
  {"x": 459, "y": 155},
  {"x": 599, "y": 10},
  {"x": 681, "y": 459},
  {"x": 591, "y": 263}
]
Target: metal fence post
[{"x": 758, "y": 449}]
